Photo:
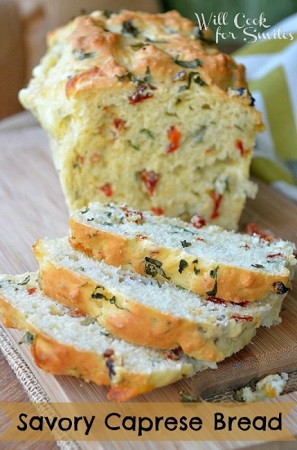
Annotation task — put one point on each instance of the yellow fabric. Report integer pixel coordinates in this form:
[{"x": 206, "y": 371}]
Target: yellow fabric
[{"x": 272, "y": 74}]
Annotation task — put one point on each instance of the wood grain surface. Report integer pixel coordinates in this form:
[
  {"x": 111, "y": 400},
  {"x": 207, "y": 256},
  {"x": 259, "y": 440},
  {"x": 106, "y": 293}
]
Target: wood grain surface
[{"x": 32, "y": 206}]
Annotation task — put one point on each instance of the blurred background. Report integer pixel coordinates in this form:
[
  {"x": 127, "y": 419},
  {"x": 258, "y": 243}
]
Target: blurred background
[{"x": 24, "y": 23}]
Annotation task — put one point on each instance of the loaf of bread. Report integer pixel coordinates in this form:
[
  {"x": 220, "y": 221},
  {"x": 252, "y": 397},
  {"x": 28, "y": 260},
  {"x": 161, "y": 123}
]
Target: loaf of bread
[
  {"x": 144, "y": 109},
  {"x": 148, "y": 312},
  {"x": 205, "y": 259},
  {"x": 64, "y": 342}
]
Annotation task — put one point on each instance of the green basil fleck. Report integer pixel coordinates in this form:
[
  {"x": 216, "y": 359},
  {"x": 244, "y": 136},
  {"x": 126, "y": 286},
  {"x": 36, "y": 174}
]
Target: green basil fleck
[
  {"x": 199, "y": 34},
  {"x": 179, "y": 76},
  {"x": 188, "y": 64},
  {"x": 184, "y": 229},
  {"x": 238, "y": 395},
  {"x": 97, "y": 294},
  {"x": 138, "y": 81},
  {"x": 179, "y": 286},
  {"x": 128, "y": 75},
  {"x": 196, "y": 270},
  {"x": 129, "y": 28},
  {"x": 147, "y": 75},
  {"x": 147, "y": 39},
  {"x": 153, "y": 267},
  {"x": 213, "y": 274},
  {"x": 88, "y": 321},
  {"x": 105, "y": 333},
  {"x": 147, "y": 132},
  {"x": 258, "y": 266},
  {"x": 213, "y": 292},
  {"x": 182, "y": 265},
  {"x": 186, "y": 397},
  {"x": 195, "y": 77},
  {"x": 227, "y": 185},
  {"x": 137, "y": 46},
  {"x": 25, "y": 281},
  {"x": 80, "y": 55},
  {"x": 199, "y": 135},
  {"x": 185, "y": 244},
  {"x": 113, "y": 301},
  {"x": 28, "y": 338},
  {"x": 136, "y": 147}
]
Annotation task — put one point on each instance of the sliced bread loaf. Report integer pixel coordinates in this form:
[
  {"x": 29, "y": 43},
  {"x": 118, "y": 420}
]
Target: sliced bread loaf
[
  {"x": 153, "y": 91},
  {"x": 64, "y": 342},
  {"x": 146, "y": 311},
  {"x": 205, "y": 259}
]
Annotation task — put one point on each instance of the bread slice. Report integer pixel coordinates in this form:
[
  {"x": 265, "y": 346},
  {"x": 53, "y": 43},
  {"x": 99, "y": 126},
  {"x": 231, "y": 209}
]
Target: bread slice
[
  {"x": 65, "y": 342},
  {"x": 146, "y": 311},
  {"x": 154, "y": 92},
  {"x": 205, "y": 259}
]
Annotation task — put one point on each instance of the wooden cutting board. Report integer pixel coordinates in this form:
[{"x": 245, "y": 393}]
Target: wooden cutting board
[{"x": 32, "y": 206}]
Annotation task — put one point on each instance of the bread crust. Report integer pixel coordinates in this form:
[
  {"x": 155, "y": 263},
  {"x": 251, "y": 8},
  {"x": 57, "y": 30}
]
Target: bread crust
[
  {"x": 232, "y": 283},
  {"x": 138, "y": 323},
  {"x": 188, "y": 152},
  {"x": 61, "y": 359},
  {"x": 92, "y": 34}
]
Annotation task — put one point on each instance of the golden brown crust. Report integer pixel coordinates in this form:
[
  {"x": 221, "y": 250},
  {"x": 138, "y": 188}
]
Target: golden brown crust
[
  {"x": 229, "y": 283},
  {"x": 61, "y": 359},
  {"x": 9, "y": 315},
  {"x": 196, "y": 124},
  {"x": 158, "y": 40},
  {"x": 140, "y": 323},
  {"x": 125, "y": 318},
  {"x": 67, "y": 360}
]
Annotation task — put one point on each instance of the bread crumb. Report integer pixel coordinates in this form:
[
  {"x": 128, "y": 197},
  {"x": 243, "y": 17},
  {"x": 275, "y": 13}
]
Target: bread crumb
[{"x": 269, "y": 387}]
